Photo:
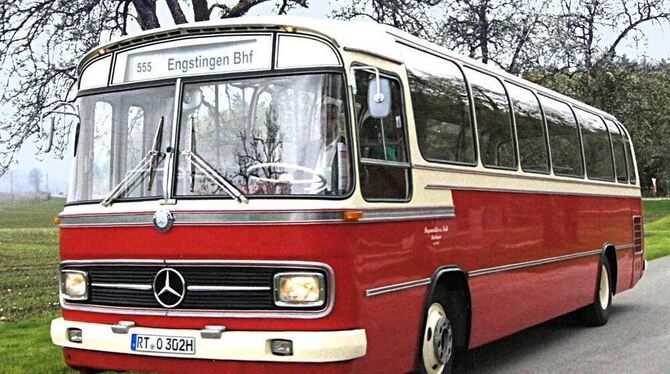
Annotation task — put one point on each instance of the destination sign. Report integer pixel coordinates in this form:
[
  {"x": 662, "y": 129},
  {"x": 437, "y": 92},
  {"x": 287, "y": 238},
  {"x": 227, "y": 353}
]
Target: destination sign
[{"x": 189, "y": 57}]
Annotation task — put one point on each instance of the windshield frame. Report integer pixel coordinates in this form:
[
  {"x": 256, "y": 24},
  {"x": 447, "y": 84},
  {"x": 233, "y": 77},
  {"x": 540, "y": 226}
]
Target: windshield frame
[
  {"x": 166, "y": 83},
  {"x": 339, "y": 71},
  {"x": 178, "y": 85}
]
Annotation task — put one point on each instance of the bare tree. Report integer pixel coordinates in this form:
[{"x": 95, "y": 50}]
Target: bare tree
[
  {"x": 585, "y": 27},
  {"x": 41, "y": 40},
  {"x": 508, "y": 33},
  {"x": 35, "y": 179},
  {"x": 414, "y": 16}
]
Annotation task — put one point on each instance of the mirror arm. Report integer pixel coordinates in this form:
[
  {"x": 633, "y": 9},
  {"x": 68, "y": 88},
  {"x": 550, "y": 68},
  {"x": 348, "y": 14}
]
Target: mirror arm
[
  {"x": 52, "y": 125},
  {"x": 379, "y": 96}
]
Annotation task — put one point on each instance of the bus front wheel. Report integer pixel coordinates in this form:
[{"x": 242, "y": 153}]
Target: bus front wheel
[{"x": 438, "y": 345}]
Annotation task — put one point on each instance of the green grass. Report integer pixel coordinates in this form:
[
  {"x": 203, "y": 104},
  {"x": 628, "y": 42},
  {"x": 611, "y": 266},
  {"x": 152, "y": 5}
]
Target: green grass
[
  {"x": 655, "y": 209},
  {"x": 29, "y": 287},
  {"x": 28, "y": 213},
  {"x": 25, "y": 347},
  {"x": 656, "y": 228}
]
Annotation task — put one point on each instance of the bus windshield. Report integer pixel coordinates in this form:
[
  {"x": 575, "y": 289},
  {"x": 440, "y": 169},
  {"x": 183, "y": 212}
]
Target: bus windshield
[
  {"x": 118, "y": 131},
  {"x": 266, "y": 136},
  {"x": 237, "y": 138}
]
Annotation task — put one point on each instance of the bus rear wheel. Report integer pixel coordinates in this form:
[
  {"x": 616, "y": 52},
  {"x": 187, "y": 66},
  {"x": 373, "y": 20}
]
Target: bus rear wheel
[
  {"x": 437, "y": 347},
  {"x": 597, "y": 314}
]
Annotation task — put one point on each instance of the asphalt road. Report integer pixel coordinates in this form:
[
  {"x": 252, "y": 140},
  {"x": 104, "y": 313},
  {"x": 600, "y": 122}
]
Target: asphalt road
[{"x": 635, "y": 340}]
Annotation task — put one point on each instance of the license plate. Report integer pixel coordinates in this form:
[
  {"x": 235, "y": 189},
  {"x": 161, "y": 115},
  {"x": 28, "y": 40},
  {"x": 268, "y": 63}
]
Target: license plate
[{"x": 162, "y": 344}]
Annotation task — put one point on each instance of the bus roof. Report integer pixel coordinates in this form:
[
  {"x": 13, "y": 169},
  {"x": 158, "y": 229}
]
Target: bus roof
[{"x": 380, "y": 40}]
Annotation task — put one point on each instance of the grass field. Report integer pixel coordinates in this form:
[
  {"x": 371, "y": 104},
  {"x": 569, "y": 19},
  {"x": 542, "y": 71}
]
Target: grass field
[
  {"x": 29, "y": 287},
  {"x": 29, "y": 283},
  {"x": 656, "y": 228}
]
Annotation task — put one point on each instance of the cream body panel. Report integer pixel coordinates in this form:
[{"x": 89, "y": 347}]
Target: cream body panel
[{"x": 308, "y": 346}]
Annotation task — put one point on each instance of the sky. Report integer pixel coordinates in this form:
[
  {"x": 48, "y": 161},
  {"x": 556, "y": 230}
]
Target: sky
[{"x": 654, "y": 46}]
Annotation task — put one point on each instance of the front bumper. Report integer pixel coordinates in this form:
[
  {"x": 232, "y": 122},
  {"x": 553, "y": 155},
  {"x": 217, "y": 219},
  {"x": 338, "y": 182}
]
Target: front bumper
[{"x": 308, "y": 346}]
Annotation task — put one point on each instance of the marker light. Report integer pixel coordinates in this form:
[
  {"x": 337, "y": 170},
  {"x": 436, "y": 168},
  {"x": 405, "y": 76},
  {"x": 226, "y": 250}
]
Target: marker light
[
  {"x": 74, "y": 335},
  {"x": 74, "y": 285},
  {"x": 281, "y": 347},
  {"x": 302, "y": 289}
]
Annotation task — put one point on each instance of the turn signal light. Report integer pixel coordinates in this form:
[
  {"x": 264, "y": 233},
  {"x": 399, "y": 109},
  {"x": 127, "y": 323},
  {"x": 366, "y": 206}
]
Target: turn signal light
[{"x": 352, "y": 215}]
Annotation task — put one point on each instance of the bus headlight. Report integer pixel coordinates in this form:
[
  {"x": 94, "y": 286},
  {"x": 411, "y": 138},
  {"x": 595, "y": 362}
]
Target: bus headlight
[
  {"x": 299, "y": 289},
  {"x": 74, "y": 285}
]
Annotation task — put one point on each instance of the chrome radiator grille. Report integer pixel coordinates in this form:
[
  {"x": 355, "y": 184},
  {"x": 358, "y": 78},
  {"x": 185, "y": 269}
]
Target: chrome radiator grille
[{"x": 205, "y": 287}]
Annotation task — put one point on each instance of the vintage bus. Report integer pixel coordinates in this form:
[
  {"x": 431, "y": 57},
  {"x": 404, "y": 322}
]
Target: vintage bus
[{"x": 296, "y": 195}]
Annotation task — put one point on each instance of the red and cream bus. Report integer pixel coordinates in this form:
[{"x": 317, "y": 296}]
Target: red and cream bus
[{"x": 304, "y": 195}]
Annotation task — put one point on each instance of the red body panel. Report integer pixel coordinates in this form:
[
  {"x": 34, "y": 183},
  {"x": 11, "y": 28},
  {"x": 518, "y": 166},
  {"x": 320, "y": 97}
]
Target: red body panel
[{"x": 491, "y": 229}]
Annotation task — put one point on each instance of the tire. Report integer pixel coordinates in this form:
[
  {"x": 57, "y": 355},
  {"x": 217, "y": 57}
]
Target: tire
[
  {"x": 597, "y": 314},
  {"x": 438, "y": 348}
]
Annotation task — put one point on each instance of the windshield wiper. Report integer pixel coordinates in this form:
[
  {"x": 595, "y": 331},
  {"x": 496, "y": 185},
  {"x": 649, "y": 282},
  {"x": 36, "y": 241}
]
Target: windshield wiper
[
  {"x": 151, "y": 159},
  {"x": 209, "y": 171}
]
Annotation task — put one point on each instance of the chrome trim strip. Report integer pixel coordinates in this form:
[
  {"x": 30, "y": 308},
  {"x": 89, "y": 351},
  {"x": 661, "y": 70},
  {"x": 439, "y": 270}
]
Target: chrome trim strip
[
  {"x": 522, "y": 265},
  {"x": 514, "y": 190},
  {"x": 624, "y": 246},
  {"x": 140, "y": 287},
  {"x": 486, "y": 271},
  {"x": 377, "y": 162},
  {"x": 518, "y": 175},
  {"x": 257, "y": 217},
  {"x": 640, "y": 253},
  {"x": 293, "y": 314},
  {"x": 379, "y": 215},
  {"x": 227, "y": 288},
  {"x": 397, "y": 287}
]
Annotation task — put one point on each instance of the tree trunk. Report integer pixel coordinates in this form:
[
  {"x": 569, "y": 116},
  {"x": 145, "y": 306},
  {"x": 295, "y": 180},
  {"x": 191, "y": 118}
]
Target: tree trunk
[
  {"x": 146, "y": 14},
  {"x": 177, "y": 13},
  {"x": 200, "y": 10},
  {"x": 484, "y": 31}
]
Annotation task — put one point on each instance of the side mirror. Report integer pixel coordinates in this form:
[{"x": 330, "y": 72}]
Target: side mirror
[
  {"x": 379, "y": 91},
  {"x": 379, "y": 97}
]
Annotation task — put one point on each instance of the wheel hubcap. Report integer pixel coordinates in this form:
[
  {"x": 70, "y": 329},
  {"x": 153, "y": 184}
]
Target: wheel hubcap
[
  {"x": 604, "y": 289},
  {"x": 438, "y": 340},
  {"x": 442, "y": 341}
]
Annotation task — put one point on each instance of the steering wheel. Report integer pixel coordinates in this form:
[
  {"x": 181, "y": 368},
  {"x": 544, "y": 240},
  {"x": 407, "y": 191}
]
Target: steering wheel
[{"x": 287, "y": 178}]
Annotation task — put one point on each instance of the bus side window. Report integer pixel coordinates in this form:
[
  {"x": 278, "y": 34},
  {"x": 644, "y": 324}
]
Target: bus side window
[
  {"x": 494, "y": 124},
  {"x": 441, "y": 108},
  {"x": 619, "y": 147},
  {"x": 383, "y": 147},
  {"x": 566, "y": 152},
  {"x": 632, "y": 177},
  {"x": 530, "y": 130},
  {"x": 597, "y": 149}
]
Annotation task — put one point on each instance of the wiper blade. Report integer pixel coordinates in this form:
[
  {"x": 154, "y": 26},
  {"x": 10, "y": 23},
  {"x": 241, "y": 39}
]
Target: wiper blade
[
  {"x": 156, "y": 147},
  {"x": 149, "y": 160},
  {"x": 219, "y": 179},
  {"x": 209, "y": 171}
]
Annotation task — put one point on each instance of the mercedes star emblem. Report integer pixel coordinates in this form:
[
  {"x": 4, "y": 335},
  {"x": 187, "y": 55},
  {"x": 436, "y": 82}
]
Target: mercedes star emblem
[
  {"x": 169, "y": 287},
  {"x": 163, "y": 220}
]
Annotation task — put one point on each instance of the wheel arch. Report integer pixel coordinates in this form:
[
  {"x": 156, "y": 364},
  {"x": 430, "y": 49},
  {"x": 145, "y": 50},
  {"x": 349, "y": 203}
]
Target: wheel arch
[
  {"x": 453, "y": 279},
  {"x": 609, "y": 252}
]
